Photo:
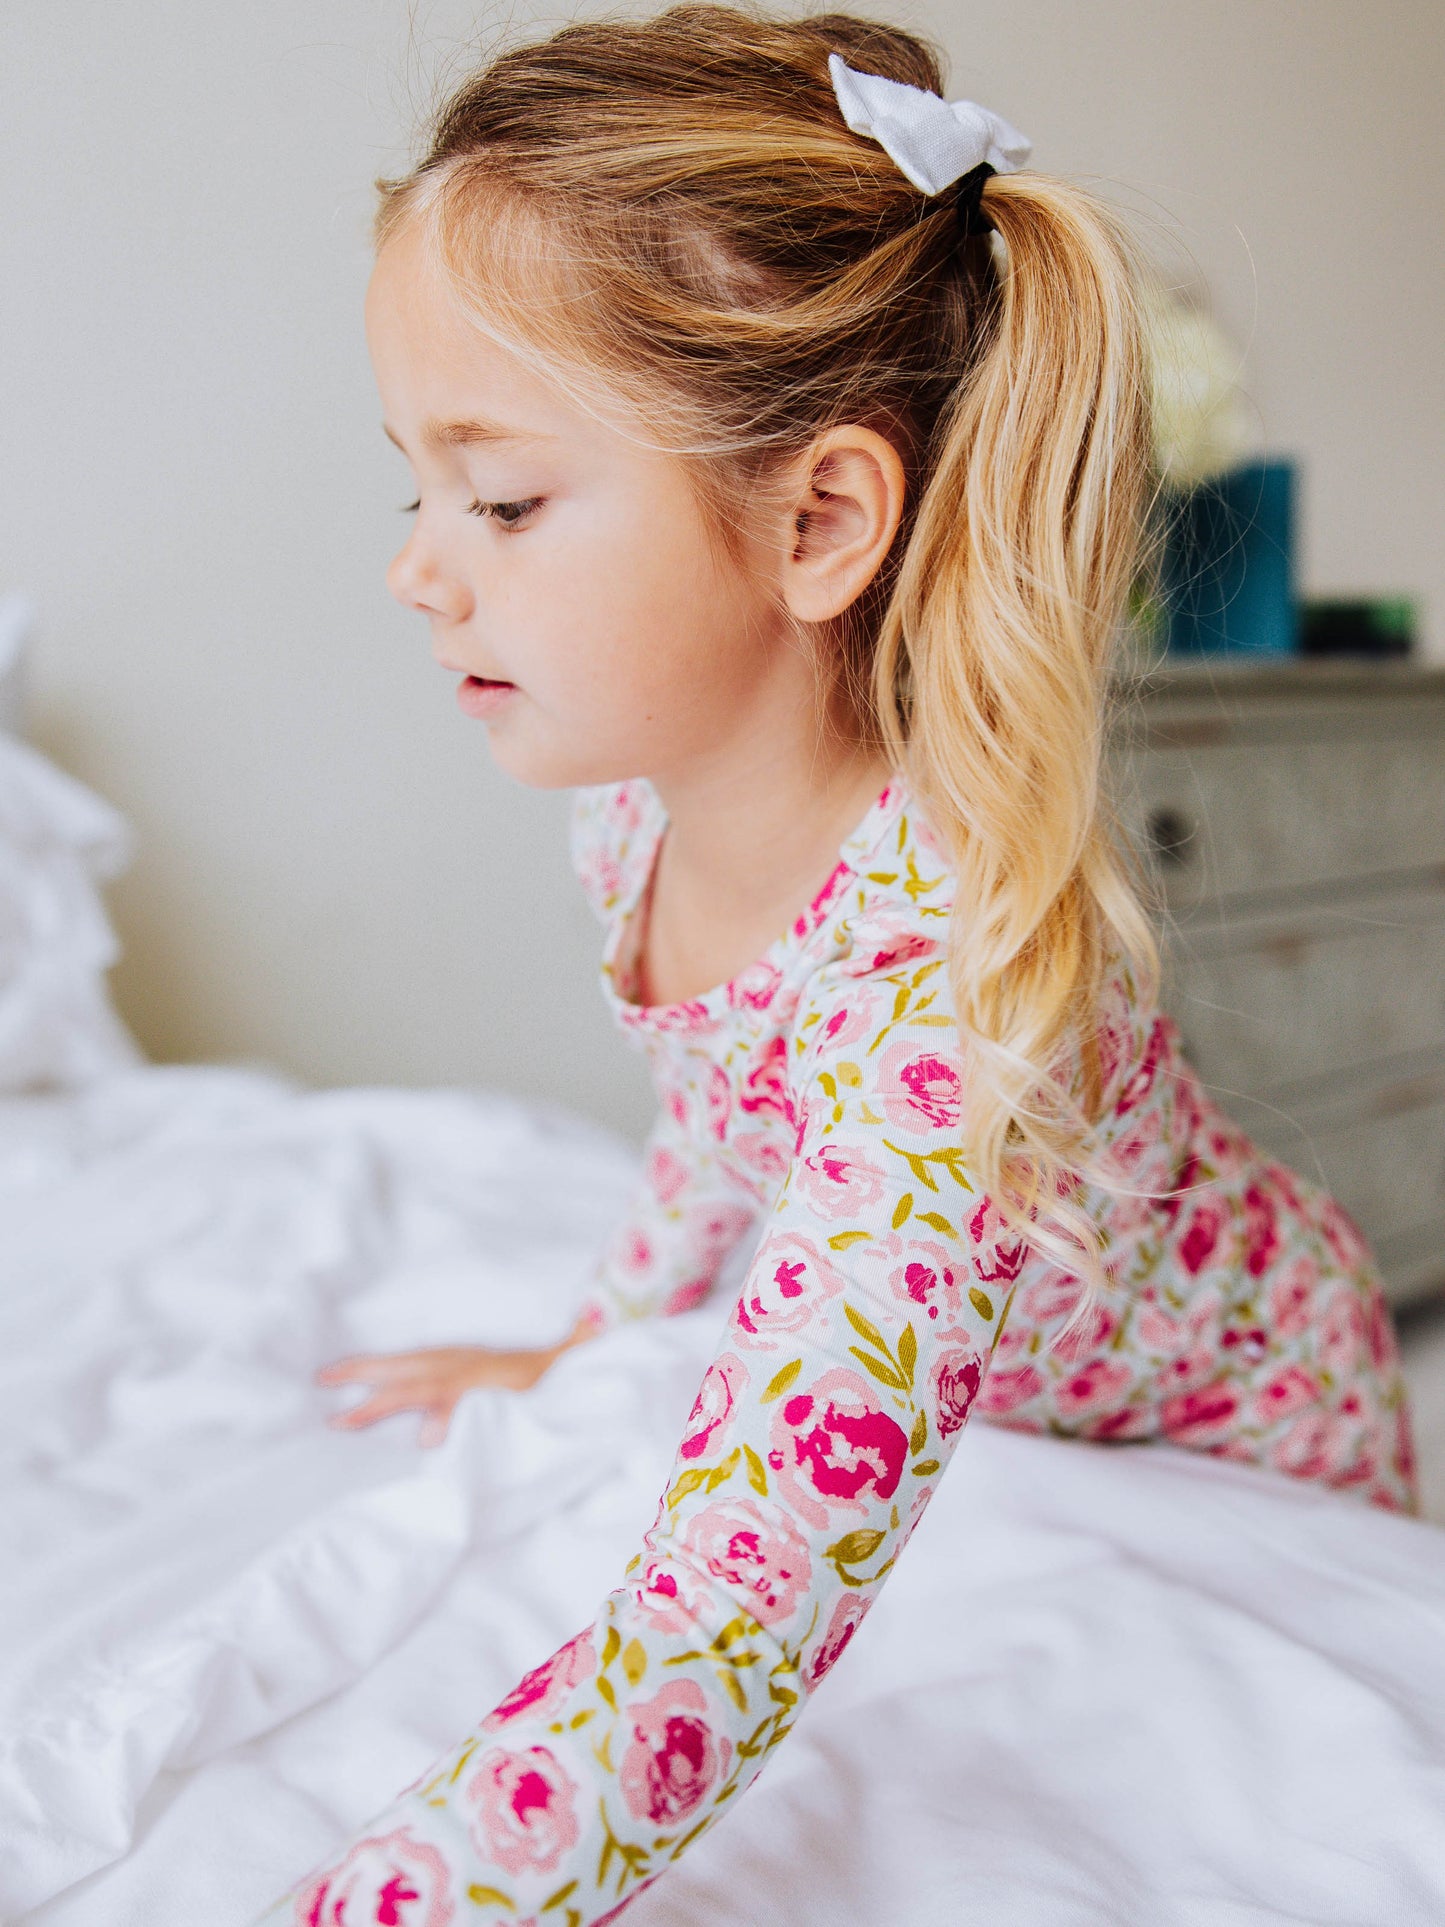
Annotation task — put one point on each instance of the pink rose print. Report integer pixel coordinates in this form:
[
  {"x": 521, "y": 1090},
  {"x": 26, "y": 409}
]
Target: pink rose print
[
  {"x": 756, "y": 988},
  {"x": 1291, "y": 1300},
  {"x": 766, "y": 1087},
  {"x": 919, "y": 1090},
  {"x": 1261, "y": 1231},
  {"x": 685, "y": 1297},
  {"x": 690, "y": 1018},
  {"x": 1095, "y": 1331},
  {"x": 719, "y": 1102},
  {"x": 722, "y": 1383},
  {"x": 524, "y": 1809},
  {"x": 836, "y": 1444},
  {"x": 899, "y": 947},
  {"x": 1342, "y": 1332},
  {"x": 601, "y": 879},
  {"x": 1303, "y": 1450},
  {"x": 1196, "y": 1417},
  {"x": 623, "y": 808},
  {"x": 667, "y": 1593},
  {"x": 818, "y": 908},
  {"x": 848, "y": 1023},
  {"x": 760, "y": 1554},
  {"x": 1141, "y": 1080},
  {"x": 762, "y": 1153},
  {"x": 547, "y": 1685},
  {"x": 790, "y": 1279},
  {"x": 1291, "y": 1390},
  {"x": 1156, "y": 1330},
  {"x": 714, "y": 1229},
  {"x": 1342, "y": 1234},
  {"x": 667, "y": 1175},
  {"x": 1100, "y": 1383},
  {"x": 848, "y": 1615},
  {"x": 672, "y": 1759},
  {"x": 956, "y": 1379},
  {"x": 928, "y": 1279},
  {"x": 1054, "y": 1296},
  {"x": 1202, "y": 1235},
  {"x": 1004, "y": 1392},
  {"x": 389, "y": 1881},
  {"x": 633, "y": 1253},
  {"x": 840, "y": 1181},
  {"x": 999, "y": 1253}
]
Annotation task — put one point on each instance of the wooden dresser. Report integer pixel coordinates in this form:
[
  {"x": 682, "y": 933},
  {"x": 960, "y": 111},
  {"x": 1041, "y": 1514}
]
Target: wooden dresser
[{"x": 1295, "y": 817}]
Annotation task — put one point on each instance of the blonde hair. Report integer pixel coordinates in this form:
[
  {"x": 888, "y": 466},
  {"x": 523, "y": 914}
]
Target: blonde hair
[{"x": 672, "y": 212}]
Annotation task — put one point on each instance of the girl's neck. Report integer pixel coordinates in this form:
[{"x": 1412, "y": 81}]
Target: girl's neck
[{"x": 749, "y": 841}]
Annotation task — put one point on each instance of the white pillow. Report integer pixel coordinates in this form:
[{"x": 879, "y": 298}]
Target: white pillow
[{"x": 57, "y": 840}]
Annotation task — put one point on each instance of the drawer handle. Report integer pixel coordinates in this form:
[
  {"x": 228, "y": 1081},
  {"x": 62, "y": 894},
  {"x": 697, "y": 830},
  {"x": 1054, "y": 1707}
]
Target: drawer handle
[{"x": 1170, "y": 835}]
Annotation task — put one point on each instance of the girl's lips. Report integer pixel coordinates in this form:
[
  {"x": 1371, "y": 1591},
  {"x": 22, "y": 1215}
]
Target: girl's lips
[{"x": 477, "y": 697}]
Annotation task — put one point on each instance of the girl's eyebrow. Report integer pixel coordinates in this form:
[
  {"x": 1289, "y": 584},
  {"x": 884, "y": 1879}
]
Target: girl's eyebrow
[{"x": 462, "y": 434}]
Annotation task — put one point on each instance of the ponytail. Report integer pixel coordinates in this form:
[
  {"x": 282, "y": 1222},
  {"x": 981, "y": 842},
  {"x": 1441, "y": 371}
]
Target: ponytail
[{"x": 990, "y": 684}]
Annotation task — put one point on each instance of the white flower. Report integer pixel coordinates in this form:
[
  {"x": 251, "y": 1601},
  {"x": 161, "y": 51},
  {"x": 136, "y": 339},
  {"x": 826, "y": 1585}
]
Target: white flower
[{"x": 1203, "y": 423}]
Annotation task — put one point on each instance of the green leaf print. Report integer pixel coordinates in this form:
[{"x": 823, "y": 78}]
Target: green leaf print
[
  {"x": 688, "y": 1482},
  {"x": 924, "y": 1467},
  {"x": 983, "y": 1306},
  {"x": 885, "y": 1374},
  {"x": 780, "y": 1381},
  {"x": 866, "y": 1330},
  {"x": 855, "y": 1547}
]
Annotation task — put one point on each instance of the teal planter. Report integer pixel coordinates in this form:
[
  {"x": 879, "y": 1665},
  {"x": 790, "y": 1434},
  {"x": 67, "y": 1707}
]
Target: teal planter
[{"x": 1228, "y": 565}]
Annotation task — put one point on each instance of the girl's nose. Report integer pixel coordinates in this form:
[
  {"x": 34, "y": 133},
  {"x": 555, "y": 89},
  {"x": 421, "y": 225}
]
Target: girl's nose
[{"x": 419, "y": 581}]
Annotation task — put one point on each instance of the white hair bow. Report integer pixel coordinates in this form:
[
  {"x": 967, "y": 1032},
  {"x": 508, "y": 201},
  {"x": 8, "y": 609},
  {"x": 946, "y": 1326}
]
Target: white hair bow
[{"x": 934, "y": 141}]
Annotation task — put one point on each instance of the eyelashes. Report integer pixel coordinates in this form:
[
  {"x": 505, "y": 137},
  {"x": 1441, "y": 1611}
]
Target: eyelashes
[{"x": 509, "y": 514}]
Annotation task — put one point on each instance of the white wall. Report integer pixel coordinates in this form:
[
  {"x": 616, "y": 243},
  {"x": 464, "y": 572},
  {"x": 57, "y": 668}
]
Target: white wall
[{"x": 194, "y": 484}]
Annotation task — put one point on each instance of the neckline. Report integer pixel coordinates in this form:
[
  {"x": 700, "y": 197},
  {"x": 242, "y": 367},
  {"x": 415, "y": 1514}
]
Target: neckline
[{"x": 749, "y": 989}]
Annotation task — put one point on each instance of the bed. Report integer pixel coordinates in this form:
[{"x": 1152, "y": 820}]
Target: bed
[{"x": 1160, "y": 1689}]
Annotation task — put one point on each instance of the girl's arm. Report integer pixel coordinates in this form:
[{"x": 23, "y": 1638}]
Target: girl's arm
[
  {"x": 820, "y": 1431},
  {"x": 685, "y": 1217}
]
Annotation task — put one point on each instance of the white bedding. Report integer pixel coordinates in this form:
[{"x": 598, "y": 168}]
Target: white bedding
[
  {"x": 1154, "y": 1689},
  {"x": 1157, "y": 1689}
]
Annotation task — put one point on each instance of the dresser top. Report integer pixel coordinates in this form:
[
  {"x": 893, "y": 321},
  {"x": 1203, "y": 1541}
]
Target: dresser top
[{"x": 1301, "y": 679}]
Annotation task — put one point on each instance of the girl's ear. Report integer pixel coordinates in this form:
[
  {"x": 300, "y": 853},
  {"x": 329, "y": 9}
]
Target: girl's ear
[{"x": 845, "y": 509}]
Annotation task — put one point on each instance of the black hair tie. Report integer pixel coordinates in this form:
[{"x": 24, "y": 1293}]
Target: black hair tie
[{"x": 968, "y": 202}]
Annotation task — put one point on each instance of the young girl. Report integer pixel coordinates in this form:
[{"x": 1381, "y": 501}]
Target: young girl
[{"x": 782, "y": 453}]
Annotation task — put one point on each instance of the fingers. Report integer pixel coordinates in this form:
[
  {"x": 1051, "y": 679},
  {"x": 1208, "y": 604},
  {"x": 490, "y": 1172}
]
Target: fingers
[{"x": 373, "y": 1365}]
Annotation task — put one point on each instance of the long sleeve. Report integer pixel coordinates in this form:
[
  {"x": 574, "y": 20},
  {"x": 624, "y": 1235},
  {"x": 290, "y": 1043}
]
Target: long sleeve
[
  {"x": 820, "y": 1431},
  {"x": 685, "y": 1217}
]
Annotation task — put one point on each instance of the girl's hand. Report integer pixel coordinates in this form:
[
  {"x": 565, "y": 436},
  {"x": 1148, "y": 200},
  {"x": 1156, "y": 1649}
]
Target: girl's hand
[{"x": 432, "y": 1381}]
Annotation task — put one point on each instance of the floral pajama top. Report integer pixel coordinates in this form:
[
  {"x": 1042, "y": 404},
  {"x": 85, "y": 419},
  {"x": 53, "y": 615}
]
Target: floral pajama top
[{"x": 814, "y": 1103}]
